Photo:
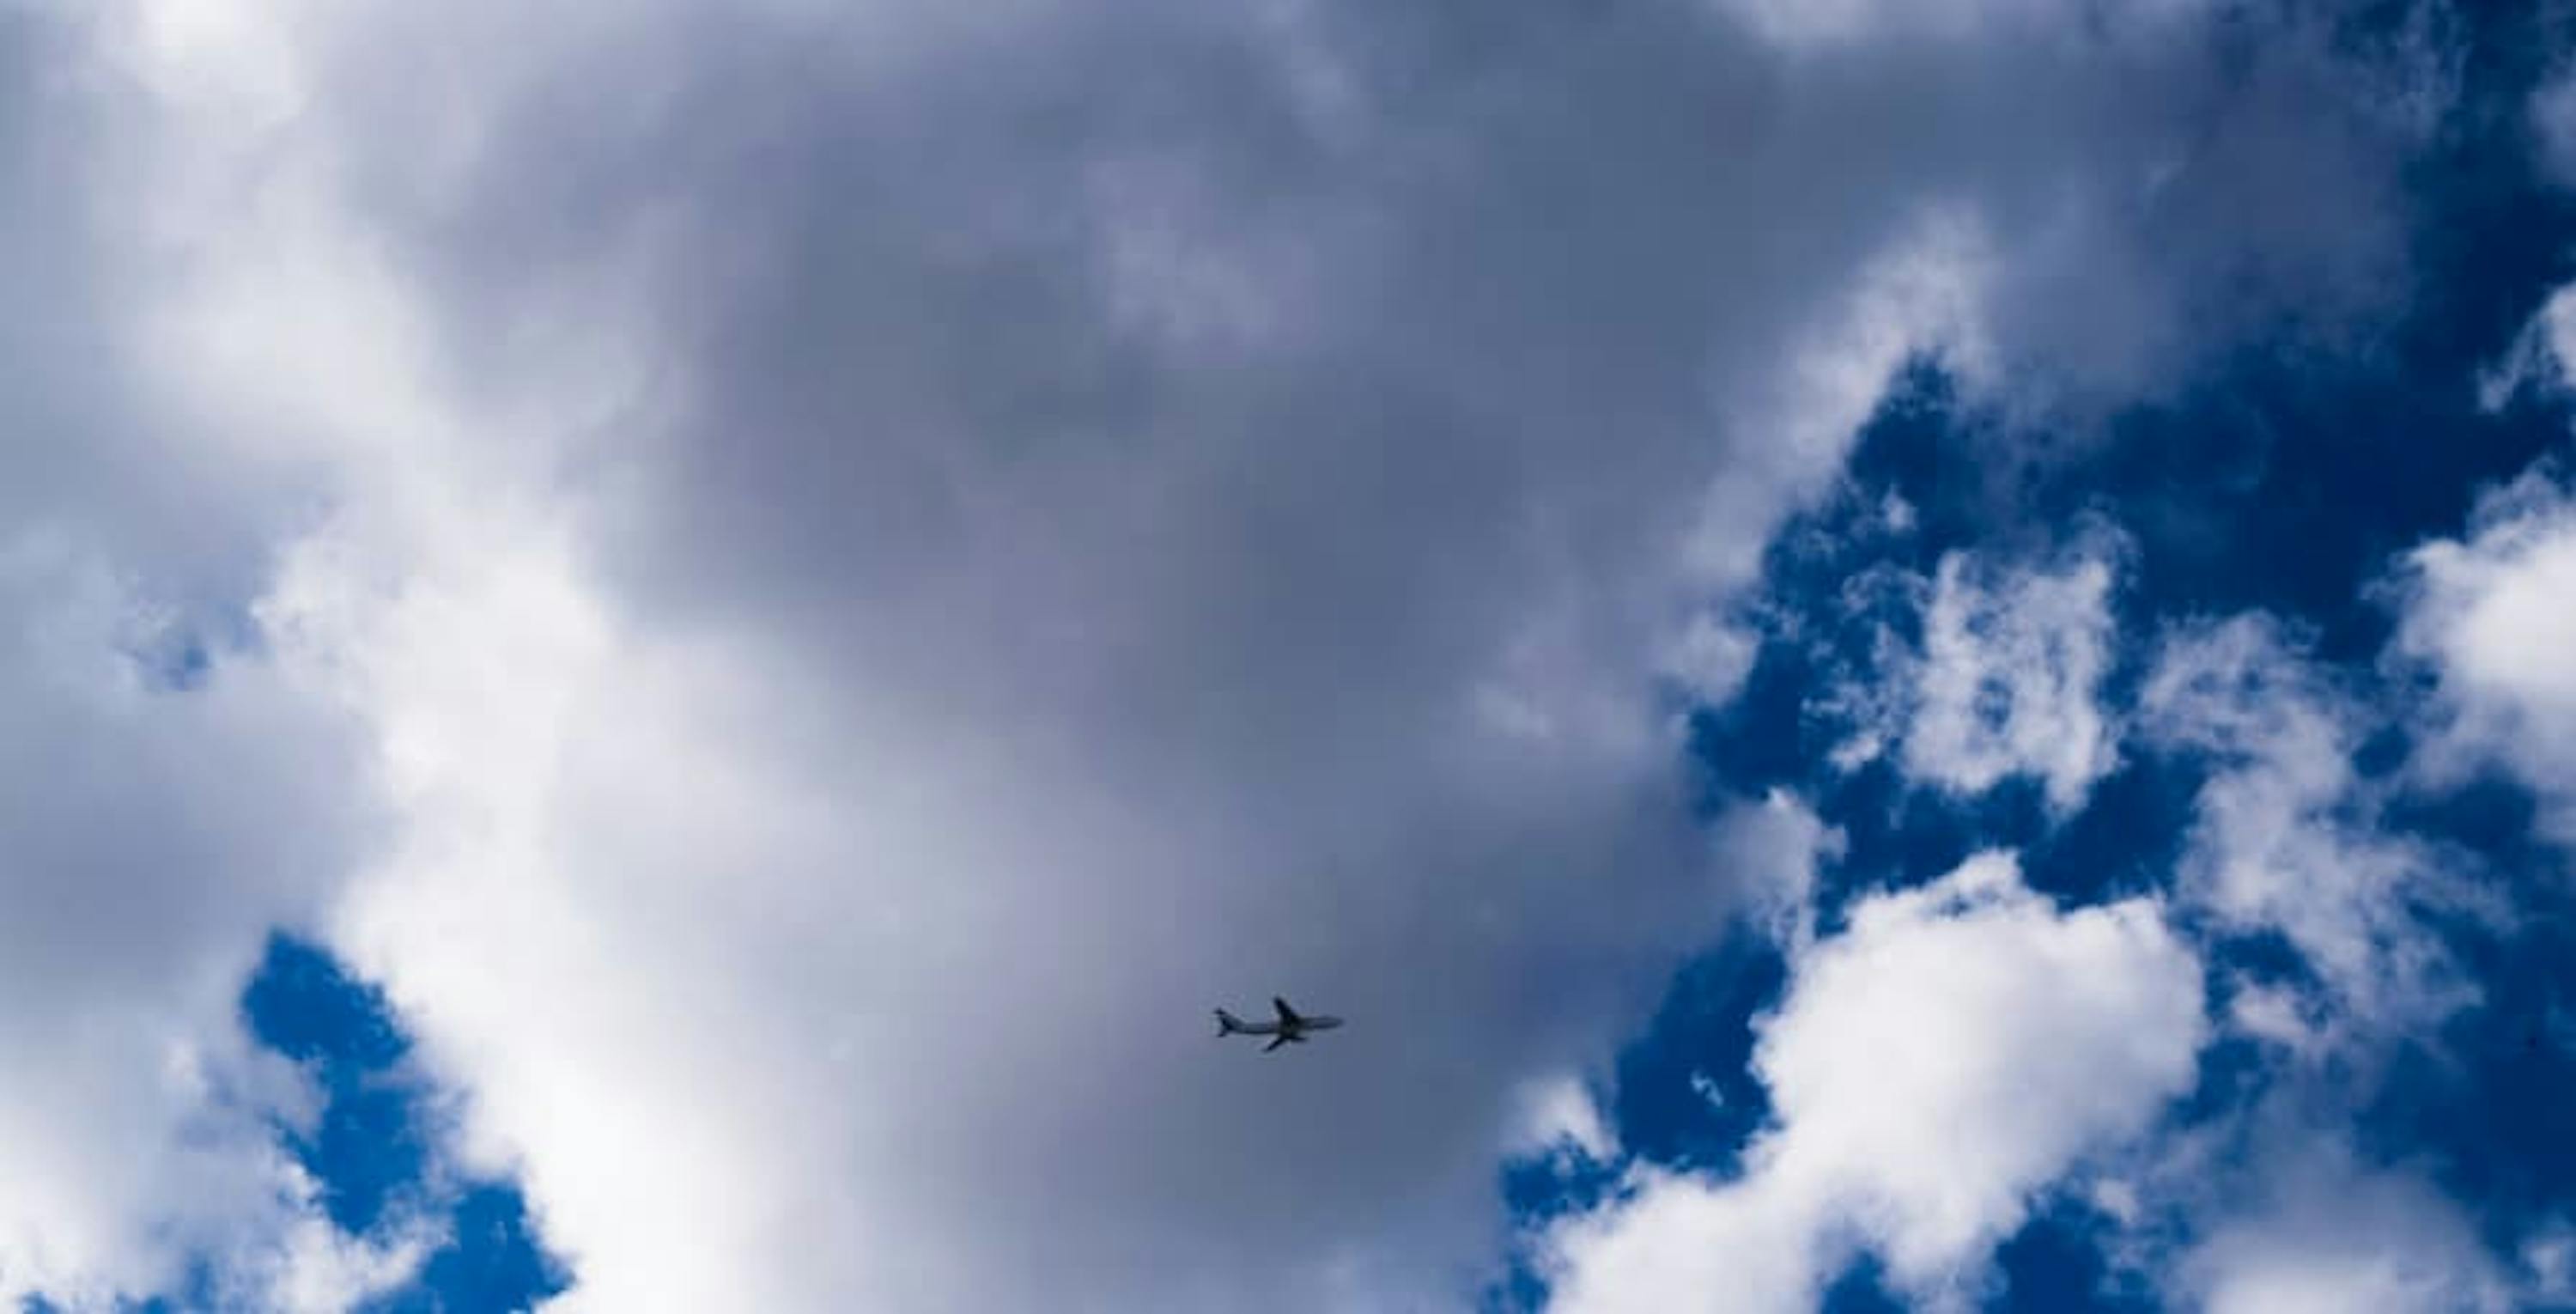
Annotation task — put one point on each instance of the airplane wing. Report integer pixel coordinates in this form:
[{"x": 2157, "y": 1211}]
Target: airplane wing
[
  {"x": 1287, "y": 1016},
  {"x": 1282, "y": 1040}
]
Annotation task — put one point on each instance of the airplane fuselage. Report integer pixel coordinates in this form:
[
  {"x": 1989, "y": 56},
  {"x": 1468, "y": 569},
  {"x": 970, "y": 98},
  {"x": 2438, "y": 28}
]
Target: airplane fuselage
[
  {"x": 1302, "y": 1026},
  {"x": 1290, "y": 1028}
]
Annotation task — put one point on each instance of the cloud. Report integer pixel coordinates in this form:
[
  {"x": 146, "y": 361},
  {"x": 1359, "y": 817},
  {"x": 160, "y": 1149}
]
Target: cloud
[
  {"x": 2287, "y": 836},
  {"x": 2540, "y": 356},
  {"x": 2490, "y": 614},
  {"x": 151, "y": 834},
  {"x": 1560, "y": 1115},
  {"x": 315, "y": 1268},
  {"x": 1776, "y": 845},
  {"x": 2551, "y": 114},
  {"x": 818, "y": 584},
  {"x": 2003, "y": 681},
  {"x": 1952, "y": 1053},
  {"x": 1829, "y": 24},
  {"x": 2330, "y": 1235},
  {"x": 1711, "y": 660},
  {"x": 2010, "y": 672}
]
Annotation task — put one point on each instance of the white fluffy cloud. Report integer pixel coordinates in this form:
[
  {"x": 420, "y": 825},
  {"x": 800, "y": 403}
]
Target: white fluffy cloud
[
  {"x": 2287, "y": 836},
  {"x": 2005, "y": 680},
  {"x": 1951, "y": 1053},
  {"x": 2494, "y": 614},
  {"x": 2010, "y": 677},
  {"x": 2330, "y": 1236},
  {"x": 824, "y": 582}
]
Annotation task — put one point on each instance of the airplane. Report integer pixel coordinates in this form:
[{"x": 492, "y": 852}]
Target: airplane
[{"x": 1291, "y": 1025}]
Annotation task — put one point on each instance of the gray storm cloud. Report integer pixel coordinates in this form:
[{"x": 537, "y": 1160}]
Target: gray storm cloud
[{"x": 886, "y": 561}]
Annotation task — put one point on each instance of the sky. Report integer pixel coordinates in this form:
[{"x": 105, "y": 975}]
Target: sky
[{"x": 1891, "y": 655}]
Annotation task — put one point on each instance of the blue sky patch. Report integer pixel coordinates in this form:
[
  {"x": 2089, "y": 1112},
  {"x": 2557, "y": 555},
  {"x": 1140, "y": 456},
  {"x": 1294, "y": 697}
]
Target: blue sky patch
[{"x": 377, "y": 1151}]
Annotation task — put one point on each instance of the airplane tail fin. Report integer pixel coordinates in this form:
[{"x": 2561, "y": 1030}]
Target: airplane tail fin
[{"x": 1227, "y": 1023}]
